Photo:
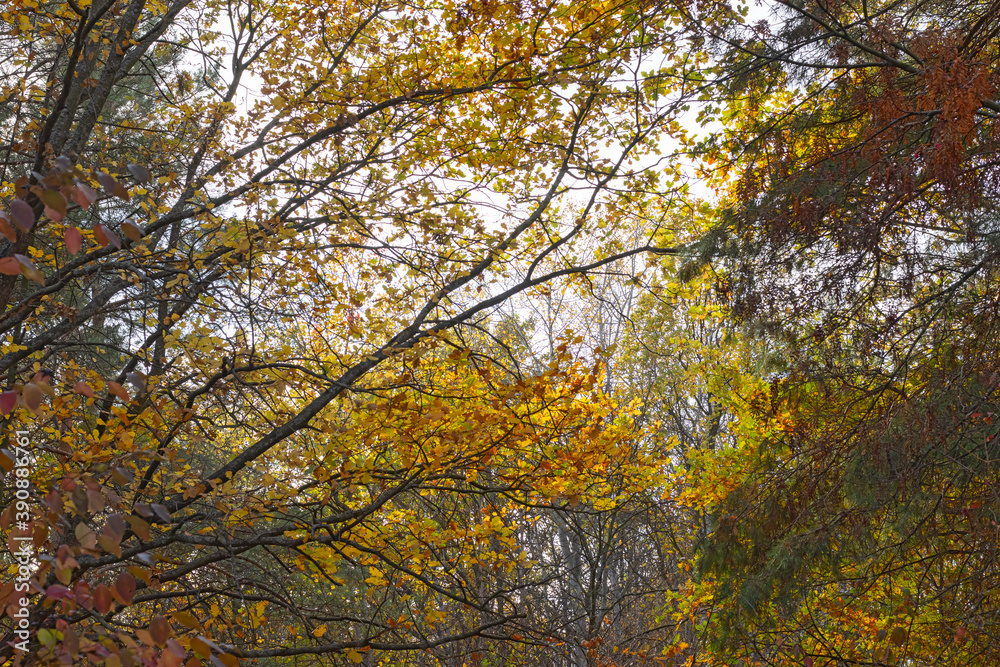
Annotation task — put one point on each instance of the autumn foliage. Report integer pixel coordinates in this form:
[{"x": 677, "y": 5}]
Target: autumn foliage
[{"x": 395, "y": 333}]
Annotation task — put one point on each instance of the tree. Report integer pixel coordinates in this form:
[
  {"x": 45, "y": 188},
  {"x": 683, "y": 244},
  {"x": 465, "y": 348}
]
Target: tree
[
  {"x": 239, "y": 238},
  {"x": 858, "y": 241}
]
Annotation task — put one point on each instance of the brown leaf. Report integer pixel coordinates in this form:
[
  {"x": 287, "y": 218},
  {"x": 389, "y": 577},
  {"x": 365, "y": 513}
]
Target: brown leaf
[
  {"x": 137, "y": 380},
  {"x": 210, "y": 643},
  {"x": 28, "y": 269},
  {"x": 95, "y": 501},
  {"x": 102, "y": 598},
  {"x": 200, "y": 647},
  {"x": 111, "y": 186},
  {"x": 22, "y": 214},
  {"x": 186, "y": 619},
  {"x": 21, "y": 187},
  {"x": 159, "y": 630},
  {"x": 125, "y": 585},
  {"x": 110, "y": 545},
  {"x": 32, "y": 395},
  {"x": 39, "y": 533},
  {"x": 115, "y": 526},
  {"x": 84, "y": 389},
  {"x": 122, "y": 475},
  {"x": 161, "y": 512},
  {"x": 74, "y": 239},
  {"x": 131, "y": 231},
  {"x": 139, "y": 172},
  {"x": 70, "y": 643},
  {"x": 139, "y": 526},
  {"x": 88, "y": 540}
]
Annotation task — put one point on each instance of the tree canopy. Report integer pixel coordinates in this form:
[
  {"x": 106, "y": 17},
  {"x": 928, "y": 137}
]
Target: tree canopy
[{"x": 593, "y": 333}]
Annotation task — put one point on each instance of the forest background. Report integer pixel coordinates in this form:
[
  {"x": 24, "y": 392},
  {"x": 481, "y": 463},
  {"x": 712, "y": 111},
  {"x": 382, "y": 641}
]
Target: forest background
[{"x": 386, "y": 332}]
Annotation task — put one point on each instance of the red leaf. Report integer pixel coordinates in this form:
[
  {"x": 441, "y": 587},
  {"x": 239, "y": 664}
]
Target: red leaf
[
  {"x": 24, "y": 260},
  {"x": 74, "y": 240},
  {"x": 8, "y": 400},
  {"x": 24, "y": 216},
  {"x": 175, "y": 647},
  {"x": 107, "y": 181},
  {"x": 101, "y": 233}
]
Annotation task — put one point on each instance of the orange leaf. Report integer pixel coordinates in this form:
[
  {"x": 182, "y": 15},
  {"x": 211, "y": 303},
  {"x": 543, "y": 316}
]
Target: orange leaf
[
  {"x": 132, "y": 231},
  {"x": 118, "y": 391}
]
